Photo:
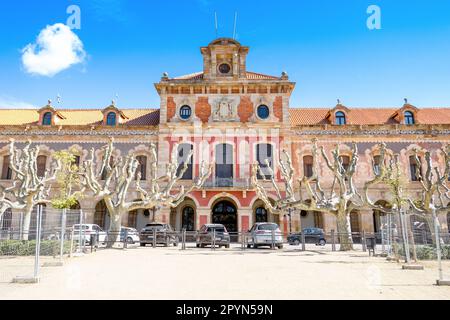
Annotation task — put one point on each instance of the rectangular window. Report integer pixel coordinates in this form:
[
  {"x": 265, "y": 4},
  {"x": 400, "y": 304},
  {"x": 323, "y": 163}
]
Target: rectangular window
[
  {"x": 224, "y": 165},
  {"x": 264, "y": 156},
  {"x": 308, "y": 166},
  {"x": 6, "y": 170},
  {"x": 183, "y": 153}
]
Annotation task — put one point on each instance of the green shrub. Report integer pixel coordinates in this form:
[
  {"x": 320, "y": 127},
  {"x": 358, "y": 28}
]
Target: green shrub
[
  {"x": 28, "y": 248},
  {"x": 428, "y": 252}
]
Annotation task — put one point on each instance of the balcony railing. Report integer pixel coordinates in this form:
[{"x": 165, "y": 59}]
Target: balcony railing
[{"x": 242, "y": 183}]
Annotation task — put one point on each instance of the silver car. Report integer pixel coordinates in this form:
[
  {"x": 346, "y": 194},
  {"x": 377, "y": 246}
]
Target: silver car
[{"x": 265, "y": 234}]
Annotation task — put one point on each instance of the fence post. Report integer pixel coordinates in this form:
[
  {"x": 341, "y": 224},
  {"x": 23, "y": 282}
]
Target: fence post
[
  {"x": 303, "y": 241},
  {"x": 333, "y": 241},
  {"x": 213, "y": 240},
  {"x": 154, "y": 238},
  {"x": 364, "y": 244},
  {"x": 71, "y": 242},
  {"x": 413, "y": 244},
  {"x": 438, "y": 245},
  {"x": 63, "y": 231},
  {"x": 273, "y": 239},
  {"x": 38, "y": 241}
]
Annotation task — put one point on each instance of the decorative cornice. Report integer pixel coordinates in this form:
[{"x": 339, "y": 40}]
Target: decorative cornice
[
  {"x": 375, "y": 132},
  {"x": 80, "y": 133}
]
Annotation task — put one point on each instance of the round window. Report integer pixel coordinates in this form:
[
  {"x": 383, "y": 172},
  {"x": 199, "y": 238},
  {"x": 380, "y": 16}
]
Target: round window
[
  {"x": 263, "y": 112},
  {"x": 185, "y": 112},
  {"x": 224, "y": 68}
]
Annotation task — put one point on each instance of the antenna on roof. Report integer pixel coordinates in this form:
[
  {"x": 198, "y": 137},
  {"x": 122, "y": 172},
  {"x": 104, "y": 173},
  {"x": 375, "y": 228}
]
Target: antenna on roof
[
  {"x": 235, "y": 24},
  {"x": 216, "y": 24},
  {"x": 406, "y": 100},
  {"x": 58, "y": 98}
]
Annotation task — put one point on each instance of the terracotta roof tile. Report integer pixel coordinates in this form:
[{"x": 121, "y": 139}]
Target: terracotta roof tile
[
  {"x": 80, "y": 117},
  {"x": 373, "y": 116}
]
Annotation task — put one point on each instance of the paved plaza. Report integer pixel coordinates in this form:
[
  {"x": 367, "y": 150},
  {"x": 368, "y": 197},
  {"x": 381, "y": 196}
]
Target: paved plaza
[{"x": 169, "y": 273}]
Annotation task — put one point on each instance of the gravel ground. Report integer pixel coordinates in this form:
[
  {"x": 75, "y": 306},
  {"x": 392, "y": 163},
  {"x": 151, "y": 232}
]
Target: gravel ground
[{"x": 198, "y": 274}]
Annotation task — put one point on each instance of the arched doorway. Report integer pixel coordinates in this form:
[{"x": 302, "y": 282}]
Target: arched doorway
[
  {"x": 261, "y": 215},
  {"x": 101, "y": 216},
  {"x": 355, "y": 226},
  {"x": 188, "y": 218},
  {"x": 378, "y": 215},
  {"x": 225, "y": 212}
]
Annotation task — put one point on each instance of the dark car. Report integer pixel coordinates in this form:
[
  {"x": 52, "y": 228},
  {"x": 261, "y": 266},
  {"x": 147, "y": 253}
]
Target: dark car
[
  {"x": 164, "y": 235},
  {"x": 312, "y": 235},
  {"x": 206, "y": 233}
]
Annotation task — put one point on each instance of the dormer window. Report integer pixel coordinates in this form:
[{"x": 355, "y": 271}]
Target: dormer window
[
  {"x": 47, "y": 119},
  {"x": 111, "y": 119},
  {"x": 340, "y": 118},
  {"x": 409, "y": 118}
]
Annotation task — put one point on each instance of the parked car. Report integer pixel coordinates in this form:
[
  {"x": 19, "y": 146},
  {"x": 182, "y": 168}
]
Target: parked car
[
  {"x": 206, "y": 233},
  {"x": 312, "y": 235},
  {"x": 164, "y": 235},
  {"x": 131, "y": 234},
  {"x": 86, "y": 231},
  {"x": 264, "y": 234}
]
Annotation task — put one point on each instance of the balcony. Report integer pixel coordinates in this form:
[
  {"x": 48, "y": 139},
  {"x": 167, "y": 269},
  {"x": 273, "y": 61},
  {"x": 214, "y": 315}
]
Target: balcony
[{"x": 226, "y": 183}]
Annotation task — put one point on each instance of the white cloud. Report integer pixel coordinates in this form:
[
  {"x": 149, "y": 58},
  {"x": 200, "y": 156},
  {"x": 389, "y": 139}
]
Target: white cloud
[
  {"x": 7, "y": 102},
  {"x": 56, "y": 49}
]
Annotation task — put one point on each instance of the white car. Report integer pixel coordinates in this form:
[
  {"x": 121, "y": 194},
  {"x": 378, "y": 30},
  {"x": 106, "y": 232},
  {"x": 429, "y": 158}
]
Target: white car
[
  {"x": 131, "y": 234},
  {"x": 264, "y": 234},
  {"x": 87, "y": 231}
]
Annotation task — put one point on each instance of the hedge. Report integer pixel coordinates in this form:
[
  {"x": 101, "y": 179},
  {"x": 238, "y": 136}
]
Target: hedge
[
  {"x": 28, "y": 248},
  {"x": 429, "y": 252}
]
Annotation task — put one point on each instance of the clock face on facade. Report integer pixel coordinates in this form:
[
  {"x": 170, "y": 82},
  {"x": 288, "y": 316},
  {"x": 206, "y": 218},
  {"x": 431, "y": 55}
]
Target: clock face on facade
[{"x": 224, "y": 68}]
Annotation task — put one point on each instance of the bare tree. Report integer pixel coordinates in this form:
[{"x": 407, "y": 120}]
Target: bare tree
[
  {"x": 119, "y": 174},
  {"x": 28, "y": 189},
  {"x": 341, "y": 199}
]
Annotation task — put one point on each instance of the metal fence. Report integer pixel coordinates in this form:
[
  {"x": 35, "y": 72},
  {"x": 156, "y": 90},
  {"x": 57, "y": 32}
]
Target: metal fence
[{"x": 30, "y": 243}]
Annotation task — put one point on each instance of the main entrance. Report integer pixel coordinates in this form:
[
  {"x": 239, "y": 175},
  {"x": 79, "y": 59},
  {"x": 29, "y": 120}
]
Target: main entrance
[{"x": 225, "y": 212}]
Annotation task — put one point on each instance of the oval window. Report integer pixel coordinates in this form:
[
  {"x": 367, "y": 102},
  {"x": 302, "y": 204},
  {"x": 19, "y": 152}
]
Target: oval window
[
  {"x": 224, "y": 68},
  {"x": 263, "y": 112},
  {"x": 185, "y": 112}
]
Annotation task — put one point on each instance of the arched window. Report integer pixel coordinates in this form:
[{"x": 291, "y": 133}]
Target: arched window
[
  {"x": 340, "y": 118},
  {"x": 264, "y": 155},
  {"x": 188, "y": 219},
  {"x": 409, "y": 118},
  {"x": 111, "y": 119},
  {"x": 414, "y": 167},
  {"x": 345, "y": 162},
  {"x": 6, "y": 170},
  {"x": 47, "y": 119},
  {"x": 104, "y": 173},
  {"x": 41, "y": 162},
  {"x": 261, "y": 215},
  {"x": 377, "y": 164},
  {"x": 183, "y": 154},
  {"x": 142, "y": 167},
  {"x": 308, "y": 162}
]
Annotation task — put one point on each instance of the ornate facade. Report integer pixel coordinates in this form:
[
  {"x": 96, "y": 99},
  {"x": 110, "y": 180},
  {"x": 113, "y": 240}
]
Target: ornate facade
[{"x": 230, "y": 117}]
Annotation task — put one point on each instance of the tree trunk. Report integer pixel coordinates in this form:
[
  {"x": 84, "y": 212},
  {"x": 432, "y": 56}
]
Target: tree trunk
[
  {"x": 28, "y": 211},
  {"x": 114, "y": 227},
  {"x": 344, "y": 231}
]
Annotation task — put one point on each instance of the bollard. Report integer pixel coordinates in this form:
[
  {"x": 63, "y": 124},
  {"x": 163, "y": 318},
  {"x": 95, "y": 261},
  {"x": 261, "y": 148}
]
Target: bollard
[
  {"x": 154, "y": 238},
  {"x": 183, "y": 240},
  {"x": 243, "y": 241},
  {"x": 125, "y": 239},
  {"x": 303, "y": 241},
  {"x": 273, "y": 239},
  {"x": 333, "y": 241},
  {"x": 364, "y": 244},
  {"x": 213, "y": 241}
]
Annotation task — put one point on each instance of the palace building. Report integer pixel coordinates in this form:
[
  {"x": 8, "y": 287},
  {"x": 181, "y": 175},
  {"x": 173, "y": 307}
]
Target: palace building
[{"x": 230, "y": 117}]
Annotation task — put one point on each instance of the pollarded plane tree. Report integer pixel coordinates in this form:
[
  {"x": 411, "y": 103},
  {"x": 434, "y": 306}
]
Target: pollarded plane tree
[
  {"x": 435, "y": 197},
  {"x": 116, "y": 175},
  {"x": 341, "y": 198},
  {"x": 28, "y": 189}
]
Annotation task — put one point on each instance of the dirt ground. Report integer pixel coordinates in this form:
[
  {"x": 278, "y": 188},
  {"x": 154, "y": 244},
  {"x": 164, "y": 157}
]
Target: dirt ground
[{"x": 198, "y": 274}]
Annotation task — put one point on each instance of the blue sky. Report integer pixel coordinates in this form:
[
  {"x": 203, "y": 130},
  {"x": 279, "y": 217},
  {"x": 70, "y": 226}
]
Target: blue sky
[{"x": 324, "y": 45}]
